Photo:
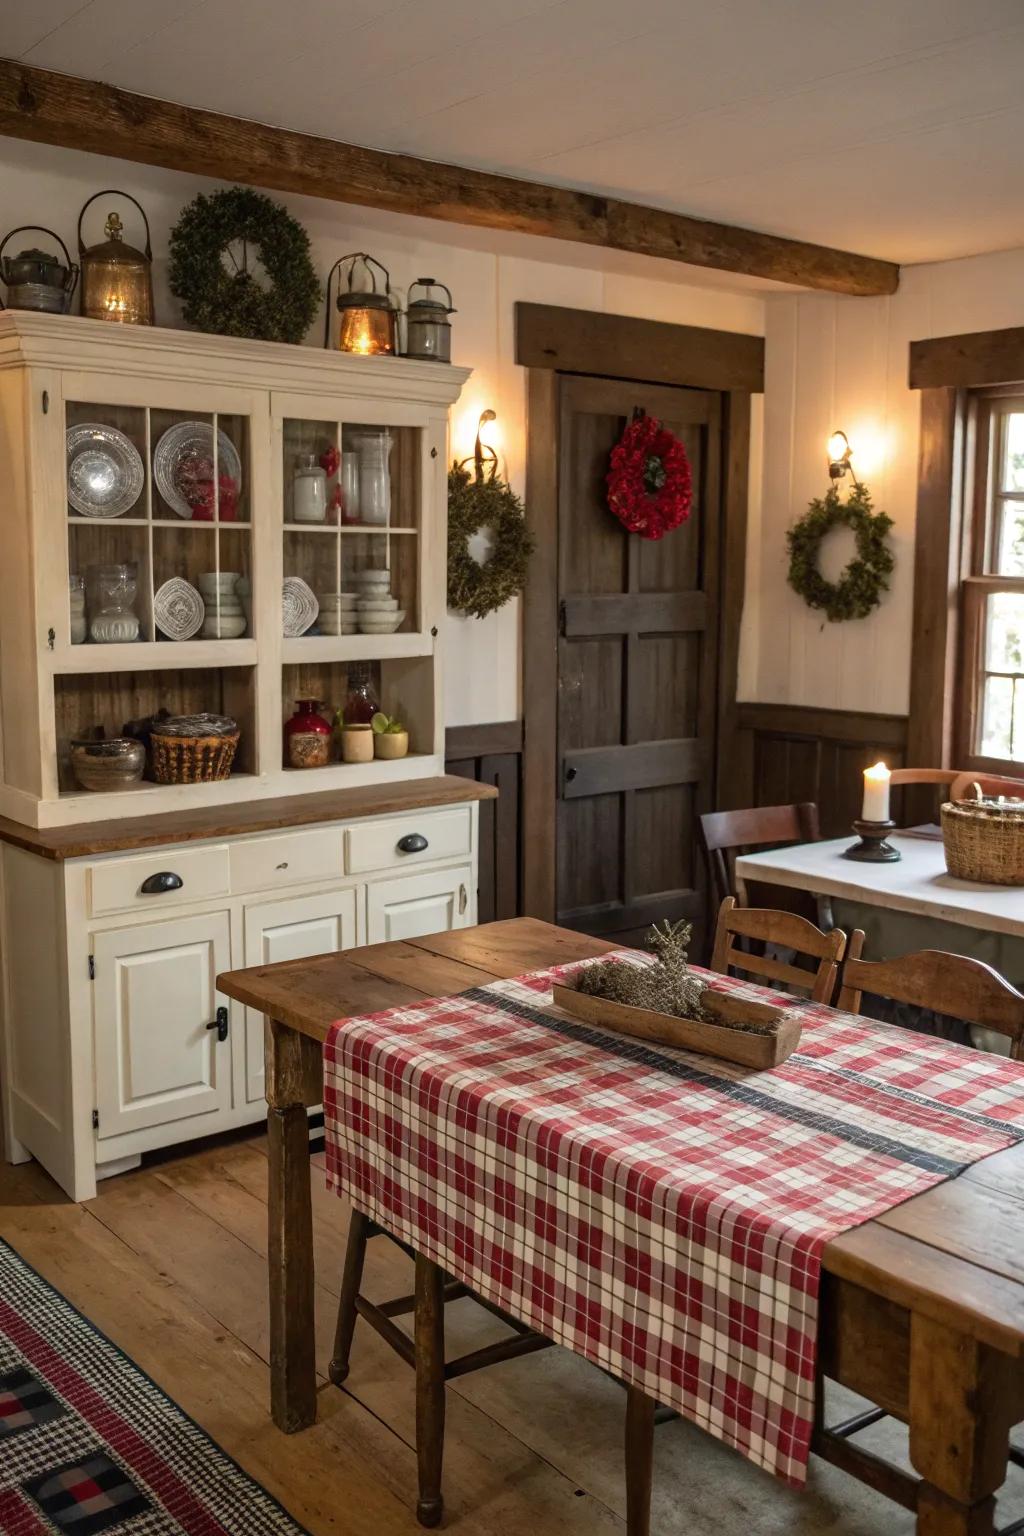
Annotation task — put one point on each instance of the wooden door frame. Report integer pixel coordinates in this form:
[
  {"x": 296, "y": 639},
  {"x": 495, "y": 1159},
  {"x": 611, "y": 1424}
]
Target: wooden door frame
[{"x": 552, "y": 341}]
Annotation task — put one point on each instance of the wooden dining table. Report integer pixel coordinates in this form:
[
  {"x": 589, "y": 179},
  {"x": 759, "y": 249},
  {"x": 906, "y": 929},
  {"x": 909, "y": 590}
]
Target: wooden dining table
[{"x": 922, "y": 1309}]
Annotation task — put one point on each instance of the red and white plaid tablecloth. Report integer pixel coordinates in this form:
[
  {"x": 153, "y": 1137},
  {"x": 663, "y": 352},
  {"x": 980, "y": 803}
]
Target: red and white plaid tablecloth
[{"x": 659, "y": 1212}]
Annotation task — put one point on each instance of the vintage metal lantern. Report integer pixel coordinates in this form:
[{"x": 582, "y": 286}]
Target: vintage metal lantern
[
  {"x": 428, "y": 331},
  {"x": 366, "y": 321},
  {"x": 38, "y": 279},
  {"x": 117, "y": 280}
]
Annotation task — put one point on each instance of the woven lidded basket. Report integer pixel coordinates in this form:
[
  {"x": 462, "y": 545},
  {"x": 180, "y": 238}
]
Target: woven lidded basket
[
  {"x": 984, "y": 840},
  {"x": 193, "y": 749}
]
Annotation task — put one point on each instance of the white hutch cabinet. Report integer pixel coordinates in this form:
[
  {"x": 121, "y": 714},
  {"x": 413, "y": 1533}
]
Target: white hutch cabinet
[{"x": 115, "y": 1038}]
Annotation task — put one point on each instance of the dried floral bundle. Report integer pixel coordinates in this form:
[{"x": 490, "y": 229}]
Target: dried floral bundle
[{"x": 664, "y": 987}]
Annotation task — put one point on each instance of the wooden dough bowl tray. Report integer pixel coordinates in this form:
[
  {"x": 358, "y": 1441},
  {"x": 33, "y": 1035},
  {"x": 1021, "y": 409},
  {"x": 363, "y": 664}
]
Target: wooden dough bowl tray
[{"x": 776, "y": 1037}]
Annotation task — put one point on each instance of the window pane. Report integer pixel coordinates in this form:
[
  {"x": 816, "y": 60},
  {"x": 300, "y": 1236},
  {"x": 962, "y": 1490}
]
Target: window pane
[
  {"x": 1004, "y": 632},
  {"x": 1012, "y": 478},
  {"x": 997, "y": 717},
  {"x": 1010, "y": 553}
]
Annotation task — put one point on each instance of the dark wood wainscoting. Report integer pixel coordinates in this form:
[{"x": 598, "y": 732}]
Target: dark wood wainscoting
[
  {"x": 792, "y": 753},
  {"x": 492, "y": 754}
]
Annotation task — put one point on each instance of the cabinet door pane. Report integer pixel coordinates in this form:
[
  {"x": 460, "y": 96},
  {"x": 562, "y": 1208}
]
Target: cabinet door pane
[
  {"x": 291, "y": 929},
  {"x": 419, "y": 904},
  {"x": 155, "y": 993}
]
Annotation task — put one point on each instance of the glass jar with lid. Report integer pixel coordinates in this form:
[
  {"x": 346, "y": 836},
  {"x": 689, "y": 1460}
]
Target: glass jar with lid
[
  {"x": 309, "y": 490},
  {"x": 111, "y": 592}
]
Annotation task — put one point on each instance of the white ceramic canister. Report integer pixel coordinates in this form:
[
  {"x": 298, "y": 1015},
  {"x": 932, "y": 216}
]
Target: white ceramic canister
[{"x": 309, "y": 491}]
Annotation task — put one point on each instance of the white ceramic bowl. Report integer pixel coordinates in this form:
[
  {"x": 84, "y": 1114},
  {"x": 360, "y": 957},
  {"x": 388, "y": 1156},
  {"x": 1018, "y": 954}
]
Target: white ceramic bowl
[
  {"x": 381, "y": 624},
  {"x": 377, "y": 604},
  {"x": 337, "y": 599},
  {"x": 218, "y": 581}
]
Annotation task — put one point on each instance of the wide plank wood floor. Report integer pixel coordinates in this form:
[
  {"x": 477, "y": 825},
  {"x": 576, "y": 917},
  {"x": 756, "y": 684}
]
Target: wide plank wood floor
[{"x": 170, "y": 1262}]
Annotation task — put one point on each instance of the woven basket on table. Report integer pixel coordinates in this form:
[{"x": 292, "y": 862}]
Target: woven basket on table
[
  {"x": 984, "y": 840},
  {"x": 193, "y": 749}
]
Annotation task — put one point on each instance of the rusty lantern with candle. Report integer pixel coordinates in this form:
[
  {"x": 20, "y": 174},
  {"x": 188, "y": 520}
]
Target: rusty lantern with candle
[
  {"x": 366, "y": 323},
  {"x": 428, "y": 331},
  {"x": 117, "y": 279}
]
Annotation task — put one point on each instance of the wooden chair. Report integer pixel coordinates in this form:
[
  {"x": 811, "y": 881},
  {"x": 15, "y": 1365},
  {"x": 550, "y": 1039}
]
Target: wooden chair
[
  {"x": 990, "y": 784},
  {"x": 786, "y": 930},
  {"x": 922, "y": 776},
  {"x": 725, "y": 834},
  {"x": 956, "y": 985}
]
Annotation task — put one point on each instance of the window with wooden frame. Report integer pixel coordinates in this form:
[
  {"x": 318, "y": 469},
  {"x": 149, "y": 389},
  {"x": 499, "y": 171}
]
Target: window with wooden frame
[{"x": 992, "y": 657}]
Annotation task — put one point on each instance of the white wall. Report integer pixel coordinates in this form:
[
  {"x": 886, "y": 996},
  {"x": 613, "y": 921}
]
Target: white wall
[
  {"x": 487, "y": 272},
  {"x": 834, "y": 362}
]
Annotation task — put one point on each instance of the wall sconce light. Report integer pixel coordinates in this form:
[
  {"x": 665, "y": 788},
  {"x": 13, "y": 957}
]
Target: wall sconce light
[
  {"x": 839, "y": 456},
  {"x": 367, "y": 318},
  {"x": 482, "y": 450}
]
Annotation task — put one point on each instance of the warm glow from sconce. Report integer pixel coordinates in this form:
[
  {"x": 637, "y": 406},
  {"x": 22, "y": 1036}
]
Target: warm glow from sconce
[
  {"x": 467, "y": 423},
  {"x": 838, "y": 447},
  {"x": 490, "y": 432}
]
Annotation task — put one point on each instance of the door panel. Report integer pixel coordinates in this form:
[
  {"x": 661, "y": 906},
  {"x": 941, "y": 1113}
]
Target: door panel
[
  {"x": 291, "y": 929},
  {"x": 420, "y": 904},
  {"x": 637, "y": 669},
  {"x": 155, "y": 993}
]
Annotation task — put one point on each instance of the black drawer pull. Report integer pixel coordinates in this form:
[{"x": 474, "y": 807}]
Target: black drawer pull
[
  {"x": 412, "y": 842},
  {"x": 220, "y": 1024},
  {"x": 158, "y": 884}
]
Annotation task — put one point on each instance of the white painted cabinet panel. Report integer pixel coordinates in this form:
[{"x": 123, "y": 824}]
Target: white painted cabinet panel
[
  {"x": 154, "y": 995},
  {"x": 419, "y": 904},
  {"x": 291, "y": 929}
]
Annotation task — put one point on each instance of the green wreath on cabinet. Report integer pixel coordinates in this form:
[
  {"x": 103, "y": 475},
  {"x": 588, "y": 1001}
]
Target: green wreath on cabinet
[
  {"x": 227, "y": 302},
  {"x": 859, "y": 589}
]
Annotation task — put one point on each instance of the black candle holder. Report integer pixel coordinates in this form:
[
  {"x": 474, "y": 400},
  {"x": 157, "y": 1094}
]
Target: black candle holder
[{"x": 873, "y": 848}]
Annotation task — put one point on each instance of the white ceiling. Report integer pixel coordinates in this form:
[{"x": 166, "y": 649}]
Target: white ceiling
[{"x": 893, "y": 127}]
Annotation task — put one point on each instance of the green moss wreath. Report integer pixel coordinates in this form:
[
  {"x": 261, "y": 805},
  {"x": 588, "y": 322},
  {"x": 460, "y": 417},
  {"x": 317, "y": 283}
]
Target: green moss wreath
[
  {"x": 234, "y": 303},
  {"x": 484, "y": 503},
  {"x": 861, "y": 585}
]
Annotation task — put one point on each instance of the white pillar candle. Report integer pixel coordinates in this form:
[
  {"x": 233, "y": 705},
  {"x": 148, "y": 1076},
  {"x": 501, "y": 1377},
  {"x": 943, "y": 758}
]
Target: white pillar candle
[{"x": 876, "y": 793}]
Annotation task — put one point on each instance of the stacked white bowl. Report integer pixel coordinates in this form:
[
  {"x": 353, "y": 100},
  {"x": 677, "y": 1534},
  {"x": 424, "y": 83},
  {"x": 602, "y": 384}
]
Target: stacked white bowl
[
  {"x": 225, "y": 617},
  {"x": 338, "y": 613},
  {"x": 378, "y": 611}
]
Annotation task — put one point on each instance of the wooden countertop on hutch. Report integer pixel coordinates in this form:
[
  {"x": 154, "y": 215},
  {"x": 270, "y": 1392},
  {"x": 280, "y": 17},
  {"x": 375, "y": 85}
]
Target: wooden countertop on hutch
[{"x": 90, "y": 838}]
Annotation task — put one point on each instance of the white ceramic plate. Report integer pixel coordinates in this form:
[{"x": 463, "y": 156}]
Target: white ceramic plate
[
  {"x": 300, "y": 607},
  {"x": 178, "y": 609},
  {"x": 105, "y": 473},
  {"x": 186, "y": 440}
]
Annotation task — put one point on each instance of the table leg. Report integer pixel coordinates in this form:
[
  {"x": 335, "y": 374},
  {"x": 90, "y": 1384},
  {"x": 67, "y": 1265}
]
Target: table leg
[
  {"x": 639, "y": 1461},
  {"x": 964, "y": 1399},
  {"x": 294, "y": 1072},
  {"x": 429, "y": 1339}
]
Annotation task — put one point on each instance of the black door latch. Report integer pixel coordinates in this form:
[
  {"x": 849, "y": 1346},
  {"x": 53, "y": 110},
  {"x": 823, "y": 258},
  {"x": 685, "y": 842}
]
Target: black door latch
[{"x": 220, "y": 1024}]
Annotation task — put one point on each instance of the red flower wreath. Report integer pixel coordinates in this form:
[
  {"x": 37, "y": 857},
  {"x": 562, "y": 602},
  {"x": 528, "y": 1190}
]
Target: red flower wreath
[{"x": 649, "y": 483}]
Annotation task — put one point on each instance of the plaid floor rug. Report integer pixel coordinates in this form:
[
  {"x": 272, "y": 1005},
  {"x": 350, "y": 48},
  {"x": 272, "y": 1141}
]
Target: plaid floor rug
[{"x": 89, "y": 1444}]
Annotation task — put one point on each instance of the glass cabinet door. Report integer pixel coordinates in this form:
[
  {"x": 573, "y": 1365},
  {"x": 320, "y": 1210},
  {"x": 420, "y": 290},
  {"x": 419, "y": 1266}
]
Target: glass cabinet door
[
  {"x": 159, "y": 530},
  {"x": 351, "y": 530}
]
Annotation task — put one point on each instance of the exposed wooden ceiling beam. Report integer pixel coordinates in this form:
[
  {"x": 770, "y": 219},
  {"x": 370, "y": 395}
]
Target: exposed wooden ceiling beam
[{"x": 83, "y": 114}]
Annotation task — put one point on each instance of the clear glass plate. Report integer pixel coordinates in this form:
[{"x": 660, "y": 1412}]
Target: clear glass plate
[
  {"x": 105, "y": 470},
  {"x": 190, "y": 440}
]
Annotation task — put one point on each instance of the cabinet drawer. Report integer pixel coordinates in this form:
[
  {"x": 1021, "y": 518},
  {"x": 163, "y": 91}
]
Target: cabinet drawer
[
  {"x": 376, "y": 844},
  {"x": 116, "y": 884},
  {"x": 268, "y": 862}
]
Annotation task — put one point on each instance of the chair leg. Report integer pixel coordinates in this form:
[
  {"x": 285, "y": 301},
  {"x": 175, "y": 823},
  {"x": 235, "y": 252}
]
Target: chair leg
[
  {"x": 429, "y": 1337},
  {"x": 640, "y": 1410},
  {"x": 351, "y": 1280}
]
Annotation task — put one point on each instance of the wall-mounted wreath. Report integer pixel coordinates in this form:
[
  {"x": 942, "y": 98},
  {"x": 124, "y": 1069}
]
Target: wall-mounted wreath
[
  {"x": 476, "y": 502},
  {"x": 210, "y": 247},
  {"x": 860, "y": 588},
  {"x": 649, "y": 483}
]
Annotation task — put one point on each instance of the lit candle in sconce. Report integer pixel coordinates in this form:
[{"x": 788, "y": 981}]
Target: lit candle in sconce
[{"x": 876, "y": 793}]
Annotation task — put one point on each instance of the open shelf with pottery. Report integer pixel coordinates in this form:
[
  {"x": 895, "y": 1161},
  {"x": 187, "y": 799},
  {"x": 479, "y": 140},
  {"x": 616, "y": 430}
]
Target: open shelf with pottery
[{"x": 196, "y": 524}]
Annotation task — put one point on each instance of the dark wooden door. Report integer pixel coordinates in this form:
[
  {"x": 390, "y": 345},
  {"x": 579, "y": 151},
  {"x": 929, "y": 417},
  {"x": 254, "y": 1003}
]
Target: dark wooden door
[{"x": 637, "y": 671}]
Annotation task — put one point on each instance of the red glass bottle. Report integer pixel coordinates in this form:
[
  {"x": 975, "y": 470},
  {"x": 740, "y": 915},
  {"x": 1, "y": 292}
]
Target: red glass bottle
[
  {"x": 307, "y": 737},
  {"x": 362, "y": 702}
]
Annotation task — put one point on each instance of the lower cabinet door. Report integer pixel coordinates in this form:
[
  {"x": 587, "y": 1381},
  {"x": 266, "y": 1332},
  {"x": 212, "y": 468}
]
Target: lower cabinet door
[
  {"x": 157, "y": 1059},
  {"x": 419, "y": 904},
  {"x": 291, "y": 929}
]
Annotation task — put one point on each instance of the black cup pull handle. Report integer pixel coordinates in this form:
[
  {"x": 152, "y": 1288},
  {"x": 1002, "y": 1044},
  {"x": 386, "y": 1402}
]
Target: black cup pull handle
[
  {"x": 220, "y": 1024},
  {"x": 412, "y": 842},
  {"x": 160, "y": 883}
]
